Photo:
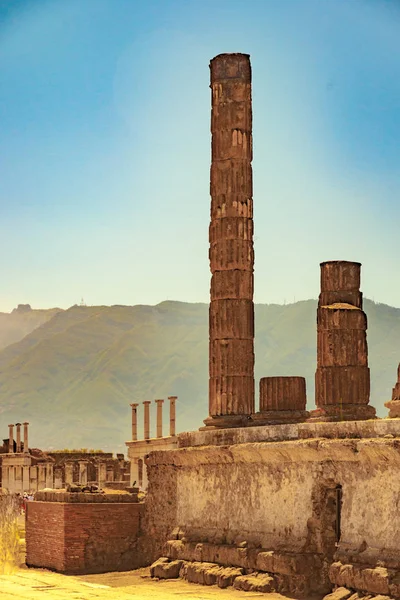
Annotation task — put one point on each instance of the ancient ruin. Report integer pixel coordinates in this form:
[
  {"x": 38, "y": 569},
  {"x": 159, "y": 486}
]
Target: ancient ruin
[
  {"x": 342, "y": 379},
  {"x": 394, "y": 404},
  {"x": 138, "y": 449},
  {"x": 282, "y": 400},
  {"x": 231, "y": 322}
]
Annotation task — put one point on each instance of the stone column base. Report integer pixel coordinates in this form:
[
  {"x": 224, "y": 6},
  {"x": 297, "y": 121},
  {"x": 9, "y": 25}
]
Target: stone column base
[
  {"x": 226, "y": 421},
  {"x": 279, "y": 417},
  {"x": 394, "y": 408},
  {"x": 347, "y": 412}
]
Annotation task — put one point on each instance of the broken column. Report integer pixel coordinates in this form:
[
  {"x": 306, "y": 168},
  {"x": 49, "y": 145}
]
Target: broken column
[
  {"x": 26, "y": 447},
  {"x": 282, "y": 400},
  {"x": 159, "y": 417},
  {"x": 172, "y": 401},
  {"x": 394, "y": 404},
  {"x": 231, "y": 313},
  {"x": 342, "y": 379},
  {"x": 82, "y": 472},
  {"x": 11, "y": 438},
  {"x": 134, "y": 421},
  {"x": 18, "y": 426},
  {"x": 146, "y": 419}
]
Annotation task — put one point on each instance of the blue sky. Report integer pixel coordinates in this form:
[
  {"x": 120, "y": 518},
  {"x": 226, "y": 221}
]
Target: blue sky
[{"x": 105, "y": 146}]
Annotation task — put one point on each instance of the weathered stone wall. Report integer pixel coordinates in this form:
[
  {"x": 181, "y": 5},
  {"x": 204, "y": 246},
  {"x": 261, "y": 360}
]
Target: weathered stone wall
[
  {"x": 281, "y": 496},
  {"x": 85, "y": 537}
]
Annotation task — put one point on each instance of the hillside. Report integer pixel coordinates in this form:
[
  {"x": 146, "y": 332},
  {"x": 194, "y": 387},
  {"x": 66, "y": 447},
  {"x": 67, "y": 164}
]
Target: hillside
[
  {"x": 74, "y": 376},
  {"x": 20, "y": 322}
]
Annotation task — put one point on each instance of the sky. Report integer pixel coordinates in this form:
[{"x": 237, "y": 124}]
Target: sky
[{"x": 105, "y": 146}]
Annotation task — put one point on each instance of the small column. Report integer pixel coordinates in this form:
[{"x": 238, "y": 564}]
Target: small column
[
  {"x": 83, "y": 472},
  {"x": 41, "y": 476},
  {"x": 101, "y": 473},
  {"x": 134, "y": 472},
  {"x": 11, "y": 439},
  {"x": 5, "y": 481},
  {"x": 159, "y": 417},
  {"x": 69, "y": 473},
  {"x": 26, "y": 447},
  {"x": 134, "y": 421},
  {"x": 11, "y": 479},
  {"x": 146, "y": 419},
  {"x": 282, "y": 400},
  {"x": 18, "y": 426},
  {"x": 49, "y": 475},
  {"x": 172, "y": 401},
  {"x": 25, "y": 478}
]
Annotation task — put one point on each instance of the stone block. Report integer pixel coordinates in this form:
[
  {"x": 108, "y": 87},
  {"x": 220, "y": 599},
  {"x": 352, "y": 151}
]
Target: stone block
[
  {"x": 340, "y": 275},
  {"x": 232, "y": 395},
  {"x": 232, "y": 205},
  {"x": 167, "y": 570},
  {"x": 231, "y": 319},
  {"x": 341, "y": 593},
  {"x": 228, "y": 255},
  {"x": 255, "y": 583},
  {"x": 282, "y": 393},
  {"x": 354, "y": 298},
  {"x": 230, "y": 177},
  {"x": 342, "y": 348},
  {"x": 342, "y": 385},
  {"x": 232, "y": 228},
  {"x": 231, "y": 357},
  {"x": 231, "y": 144},
  {"x": 349, "y": 319},
  {"x": 232, "y": 284}
]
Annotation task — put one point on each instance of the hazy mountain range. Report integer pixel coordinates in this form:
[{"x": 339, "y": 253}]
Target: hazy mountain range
[{"x": 73, "y": 373}]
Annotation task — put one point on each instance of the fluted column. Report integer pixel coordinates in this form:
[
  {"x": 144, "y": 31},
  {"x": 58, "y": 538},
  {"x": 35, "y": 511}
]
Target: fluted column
[
  {"x": 134, "y": 421},
  {"x": 172, "y": 401},
  {"x": 26, "y": 447},
  {"x": 11, "y": 438},
  {"x": 231, "y": 315},
  {"x": 159, "y": 417},
  {"x": 18, "y": 427},
  {"x": 146, "y": 419},
  {"x": 342, "y": 379}
]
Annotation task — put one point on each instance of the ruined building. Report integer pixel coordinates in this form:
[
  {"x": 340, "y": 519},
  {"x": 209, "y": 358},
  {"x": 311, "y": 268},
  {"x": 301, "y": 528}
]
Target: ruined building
[
  {"x": 273, "y": 499},
  {"x": 139, "y": 448}
]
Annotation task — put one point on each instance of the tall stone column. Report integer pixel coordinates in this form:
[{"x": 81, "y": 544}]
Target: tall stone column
[
  {"x": 146, "y": 419},
  {"x": 49, "y": 475},
  {"x": 26, "y": 447},
  {"x": 134, "y": 472},
  {"x": 26, "y": 478},
  {"x": 134, "y": 421},
  {"x": 159, "y": 417},
  {"x": 69, "y": 473},
  {"x": 172, "y": 419},
  {"x": 101, "y": 473},
  {"x": 231, "y": 313},
  {"x": 11, "y": 438},
  {"x": 18, "y": 426},
  {"x": 342, "y": 379},
  {"x": 82, "y": 472}
]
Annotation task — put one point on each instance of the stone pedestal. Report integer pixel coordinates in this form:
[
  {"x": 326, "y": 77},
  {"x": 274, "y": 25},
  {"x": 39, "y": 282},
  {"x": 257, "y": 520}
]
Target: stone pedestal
[
  {"x": 231, "y": 314},
  {"x": 282, "y": 400}
]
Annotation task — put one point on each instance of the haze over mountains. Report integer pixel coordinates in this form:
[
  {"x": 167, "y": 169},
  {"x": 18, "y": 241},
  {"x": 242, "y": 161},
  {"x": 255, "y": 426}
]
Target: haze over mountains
[{"x": 73, "y": 373}]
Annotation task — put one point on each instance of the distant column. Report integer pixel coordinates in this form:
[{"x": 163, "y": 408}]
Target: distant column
[
  {"x": 11, "y": 438},
  {"x": 134, "y": 421},
  {"x": 5, "y": 477},
  {"x": 231, "y": 312},
  {"x": 159, "y": 417},
  {"x": 146, "y": 419},
  {"x": 25, "y": 478},
  {"x": 101, "y": 473},
  {"x": 69, "y": 473},
  {"x": 134, "y": 476},
  {"x": 49, "y": 475},
  {"x": 26, "y": 447},
  {"x": 342, "y": 379},
  {"x": 172, "y": 401},
  {"x": 18, "y": 426},
  {"x": 83, "y": 472}
]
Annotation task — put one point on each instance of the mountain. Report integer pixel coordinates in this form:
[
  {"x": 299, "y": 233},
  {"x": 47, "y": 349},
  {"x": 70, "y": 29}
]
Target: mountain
[
  {"x": 75, "y": 374},
  {"x": 16, "y": 325}
]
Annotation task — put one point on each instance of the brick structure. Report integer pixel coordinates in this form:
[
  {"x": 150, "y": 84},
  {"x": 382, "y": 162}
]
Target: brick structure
[
  {"x": 83, "y": 533},
  {"x": 342, "y": 379},
  {"x": 231, "y": 318},
  {"x": 282, "y": 400},
  {"x": 394, "y": 404}
]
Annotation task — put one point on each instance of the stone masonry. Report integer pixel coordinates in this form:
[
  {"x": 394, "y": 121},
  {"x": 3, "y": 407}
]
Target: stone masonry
[
  {"x": 282, "y": 400},
  {"x": 231, "y": 319},
  {"x": 342, "y": 379}
]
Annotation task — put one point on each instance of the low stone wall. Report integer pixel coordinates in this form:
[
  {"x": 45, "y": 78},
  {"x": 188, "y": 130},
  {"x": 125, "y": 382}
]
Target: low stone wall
[
  {"x": 90, "y": 534},
  {"x": 315, "y": 501}
]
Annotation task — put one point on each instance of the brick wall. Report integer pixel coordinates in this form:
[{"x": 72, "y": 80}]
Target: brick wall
[{"x": 83, "y": 537}]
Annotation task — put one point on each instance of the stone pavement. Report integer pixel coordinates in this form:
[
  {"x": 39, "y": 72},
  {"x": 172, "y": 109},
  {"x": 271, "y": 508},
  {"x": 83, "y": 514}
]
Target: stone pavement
[{"x": 40, "y": 584}]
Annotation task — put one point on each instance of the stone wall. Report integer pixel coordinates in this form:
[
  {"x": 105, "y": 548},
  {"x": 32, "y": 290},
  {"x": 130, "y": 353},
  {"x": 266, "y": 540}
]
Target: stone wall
[
  {"x": 296, "y": 498},
  {"x": 83, "y": 537}
]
